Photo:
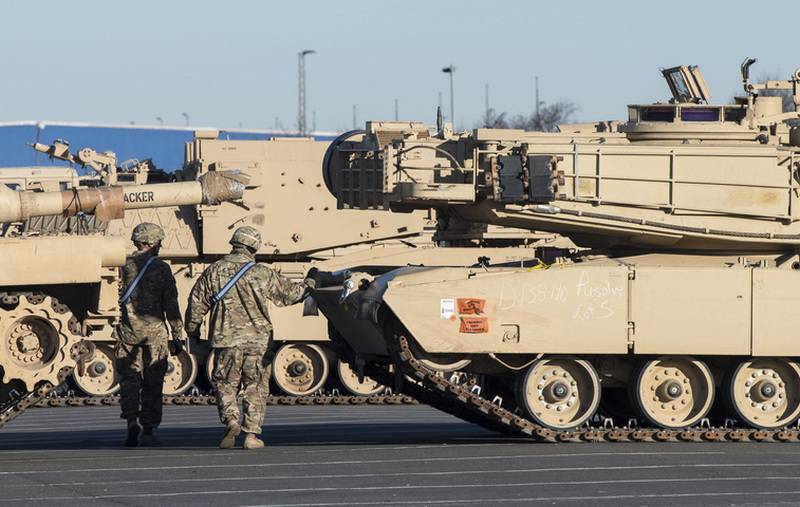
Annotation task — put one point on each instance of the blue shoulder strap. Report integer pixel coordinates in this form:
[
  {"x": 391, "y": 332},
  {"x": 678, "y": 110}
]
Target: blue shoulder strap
[
  {"x": 135, "y": 282},
  {"x": 228, "y": 286}
]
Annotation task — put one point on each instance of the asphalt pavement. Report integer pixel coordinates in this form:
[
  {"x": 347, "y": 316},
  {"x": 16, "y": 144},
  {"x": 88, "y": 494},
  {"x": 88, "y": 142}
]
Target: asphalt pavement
[{"x": 370, "y": 455}]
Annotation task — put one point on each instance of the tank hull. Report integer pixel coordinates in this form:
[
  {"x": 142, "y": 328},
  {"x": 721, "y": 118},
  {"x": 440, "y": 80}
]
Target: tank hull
[{"x": 623, "y": 325}]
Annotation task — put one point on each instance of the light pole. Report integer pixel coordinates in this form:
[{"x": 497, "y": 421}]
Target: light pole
[
  {"x": 160, "y": 120},
  {"x": 301, "y": 89},
  {"x": 186, "y": 117},
  {"x": 451, "y": 70}
]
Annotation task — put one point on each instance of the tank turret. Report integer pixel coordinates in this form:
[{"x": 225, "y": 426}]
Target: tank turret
[{"x": 682, "y": 174}]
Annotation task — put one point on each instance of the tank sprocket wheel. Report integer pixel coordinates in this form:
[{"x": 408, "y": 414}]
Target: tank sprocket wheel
[
  {"x": 559, "y": 392},
  {"x": 99, "y": 377},
  {"x": 181, "y": 373},
  {"x": 36, "y": 340},
  {"x": 300, "y": 369},
  {"x": 674, "y": 392},
  {"x": 349, "y": 380},
  {"x": 765, "y": 392}
]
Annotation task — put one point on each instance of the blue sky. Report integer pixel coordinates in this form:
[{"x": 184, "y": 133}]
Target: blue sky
[{"x": 235, "y": 62}]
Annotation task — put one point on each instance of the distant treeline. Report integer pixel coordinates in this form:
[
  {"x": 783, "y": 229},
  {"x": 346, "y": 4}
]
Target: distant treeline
[{"x": 546, "y": 119}]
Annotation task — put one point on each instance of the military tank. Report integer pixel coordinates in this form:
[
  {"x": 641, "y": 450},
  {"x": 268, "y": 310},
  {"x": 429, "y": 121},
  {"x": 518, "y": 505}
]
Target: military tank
[
  {"x": 678, "y": 320},
  {"x": 58, "y": 282},
  {"x": 285, "y": 182}
]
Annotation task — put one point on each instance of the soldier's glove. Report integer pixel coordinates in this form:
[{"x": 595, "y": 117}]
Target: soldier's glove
[
  {"x": 321, "y": 278},
  {"x": 175, "y": 346}
]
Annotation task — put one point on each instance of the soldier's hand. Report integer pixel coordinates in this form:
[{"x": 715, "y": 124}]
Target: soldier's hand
[
  {"x": 320, "y": 278},
  {"x": 175, "y": 346}
]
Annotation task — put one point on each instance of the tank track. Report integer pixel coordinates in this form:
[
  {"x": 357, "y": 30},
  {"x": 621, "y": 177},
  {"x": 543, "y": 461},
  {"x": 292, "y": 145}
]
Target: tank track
[
  {"x": 448, "y": 395},
  {"x": 12, "y": 409},
  {"x": 207, "y": 399},
  {"x": 466, "y": 402}
]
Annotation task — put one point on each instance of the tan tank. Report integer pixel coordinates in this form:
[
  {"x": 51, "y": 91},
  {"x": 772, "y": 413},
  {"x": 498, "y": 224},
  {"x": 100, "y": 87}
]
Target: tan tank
[
  {"x": 287, "y": 201},
  {"x": 682, "y": 315},
  {"x": 52, "y": 284}
]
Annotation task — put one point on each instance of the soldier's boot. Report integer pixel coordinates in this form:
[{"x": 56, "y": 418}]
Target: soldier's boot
[
  {"x": 148, "y": 440},
  {"x": 251, "y": 441},
  {"x": 133, "y": 434},
  {"x": 232, "y": 430}
]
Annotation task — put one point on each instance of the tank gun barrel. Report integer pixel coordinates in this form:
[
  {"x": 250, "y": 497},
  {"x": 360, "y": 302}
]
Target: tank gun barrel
[{"x": 109, "y": 203}]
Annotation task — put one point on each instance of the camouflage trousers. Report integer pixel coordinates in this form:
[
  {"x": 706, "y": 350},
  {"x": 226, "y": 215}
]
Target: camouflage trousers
[
  {"x": 141, "y": 369},
  {"x": 240, "y": 370}
]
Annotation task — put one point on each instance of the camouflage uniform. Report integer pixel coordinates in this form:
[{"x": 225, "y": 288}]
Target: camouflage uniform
[
  {"x": 142, "y": 337},
  {"x": 240, "y": 328}
]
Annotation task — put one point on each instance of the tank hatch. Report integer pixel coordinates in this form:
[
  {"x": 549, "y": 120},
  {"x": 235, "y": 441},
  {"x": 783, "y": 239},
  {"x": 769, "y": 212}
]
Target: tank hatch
[
  {"x": 687, "y": 84},
  {"x": 688, "y": 117}
]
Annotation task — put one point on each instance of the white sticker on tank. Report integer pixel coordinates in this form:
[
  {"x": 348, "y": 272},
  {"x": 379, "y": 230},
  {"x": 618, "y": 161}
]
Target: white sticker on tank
[{"x": 447, "y": 309}]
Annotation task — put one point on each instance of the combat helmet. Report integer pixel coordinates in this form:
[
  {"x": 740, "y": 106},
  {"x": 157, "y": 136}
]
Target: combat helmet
[
  {"x": 147, "y": 232},
  {"x": 247, "y": 236}
]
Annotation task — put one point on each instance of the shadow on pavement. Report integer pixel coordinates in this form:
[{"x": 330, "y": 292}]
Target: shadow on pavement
[{"x": 278, "y": 435}]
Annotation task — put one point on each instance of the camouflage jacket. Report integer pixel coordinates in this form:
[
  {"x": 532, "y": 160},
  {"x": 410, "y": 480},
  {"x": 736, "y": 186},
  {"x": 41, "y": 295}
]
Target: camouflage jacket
[
  {"x": 241, "y": 318},
  {"x": 153, "y": 302}
]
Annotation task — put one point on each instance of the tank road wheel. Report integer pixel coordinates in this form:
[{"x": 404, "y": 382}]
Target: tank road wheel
[
  {"x": 349, "y": 380},
  {"x": 300, "y": 369},
  {"x": 181, "y": 373},
  {"x": 765, "y": 392},
  {"x": 559, "y": 392},
  {"x": 674, "y": 391},
  {"x": 99, "y": 377},
  {"x": 36, "y": 338}
]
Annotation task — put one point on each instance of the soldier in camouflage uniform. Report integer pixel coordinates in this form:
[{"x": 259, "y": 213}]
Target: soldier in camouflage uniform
[
  {"x": 240, "y": 331},
  {"x": 149, "y": 301}
]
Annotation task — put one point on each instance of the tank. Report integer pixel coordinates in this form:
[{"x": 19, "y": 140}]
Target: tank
[
  {"x": 58, "y": 282},
  {"x": 285, "y": 182},
  {"x": 677, "y": 320}
]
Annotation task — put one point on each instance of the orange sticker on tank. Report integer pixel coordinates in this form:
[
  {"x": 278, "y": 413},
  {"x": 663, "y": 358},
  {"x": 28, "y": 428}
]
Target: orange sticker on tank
[
  {"x": 470, "y": 306},
  {"x": 474, "y": 325}
]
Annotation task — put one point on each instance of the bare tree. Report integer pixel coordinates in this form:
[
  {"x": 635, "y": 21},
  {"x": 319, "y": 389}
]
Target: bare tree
[
  {"x": 494, "y": 120},
  {"x": 547, "y": 120}
]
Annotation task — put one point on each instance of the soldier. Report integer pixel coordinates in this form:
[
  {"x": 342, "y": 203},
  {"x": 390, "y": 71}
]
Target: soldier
[
  {"x": 237, "y": 290},
  {"x": 150, "y": 299}
]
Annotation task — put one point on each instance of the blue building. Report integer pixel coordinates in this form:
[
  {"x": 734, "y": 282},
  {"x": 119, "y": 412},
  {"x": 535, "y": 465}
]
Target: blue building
[{"x": 162, "y": 144}]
